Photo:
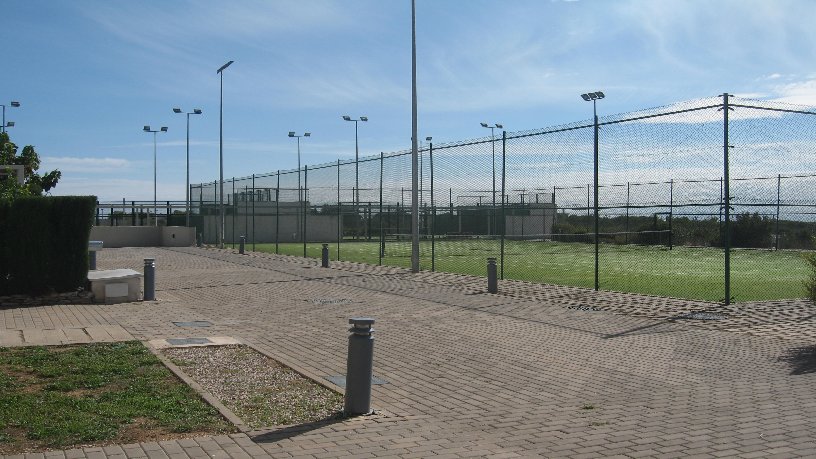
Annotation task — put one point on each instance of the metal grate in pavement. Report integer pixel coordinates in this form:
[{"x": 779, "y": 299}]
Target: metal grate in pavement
[
  {"x": 195, "y": 324},
  {"x": 186, "y": 341}
]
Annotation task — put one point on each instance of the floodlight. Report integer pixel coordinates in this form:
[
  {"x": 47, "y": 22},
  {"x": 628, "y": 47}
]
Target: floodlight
[
  {"x": 197, "y": 111},
  {"x": 14, "y": 103},
  {"x": 224, "y": 66},
  {"x": 164, "y": 128},
  {"x": 147, "y": 128},
  {"x": 291, "y": 133},
  {"x": 176, "y": 110},
  {"x": 363, "y": 118},
  {"x": 428, "y": 139},
  {"x": 307, "y": 134},
  {"x": 600, "y": 95},
  {"x": 586, "y": 97},
  {"x": 499, "y": 126},
  {"x": 484, "y": 124},
  {"x": 346, "y": 117},
  {"x": 10, "y": 124}
]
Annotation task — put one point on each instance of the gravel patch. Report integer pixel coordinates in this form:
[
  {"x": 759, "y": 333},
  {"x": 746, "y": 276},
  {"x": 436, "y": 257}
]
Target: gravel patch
[{"x": 259, "y": 390}]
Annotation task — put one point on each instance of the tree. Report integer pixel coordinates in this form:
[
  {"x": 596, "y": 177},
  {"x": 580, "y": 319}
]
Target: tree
[{"x": 34, "y": 184}]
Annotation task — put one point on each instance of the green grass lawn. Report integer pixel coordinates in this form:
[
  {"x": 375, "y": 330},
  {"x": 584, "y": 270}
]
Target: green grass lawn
[
  {"x": 59, "y": 397},
  {"x": 694, "y": 273}
]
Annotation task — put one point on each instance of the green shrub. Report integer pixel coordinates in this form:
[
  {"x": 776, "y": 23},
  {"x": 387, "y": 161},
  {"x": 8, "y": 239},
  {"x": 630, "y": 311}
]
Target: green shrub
[{"x": 810, "y": 283}]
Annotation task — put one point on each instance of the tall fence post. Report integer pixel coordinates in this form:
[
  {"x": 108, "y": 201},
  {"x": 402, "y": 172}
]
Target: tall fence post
[
  {"x": 433, "y": 211},
  {"x": 727, "y": 206},
  {"x": 382, "y": 234},
  {"x": 305, "y": 205},
  {"x": 503, "y": 194},
  {"x": 234, "y": 211},
  {"x": 254, "y": 193},
  {"x": 778, "y": 202},
  {"x": 671, "y": 214},
  {"x": 277, "y": 213},
  {"x": 595, "y": 200},
  {"x": 339, "y": 213}
]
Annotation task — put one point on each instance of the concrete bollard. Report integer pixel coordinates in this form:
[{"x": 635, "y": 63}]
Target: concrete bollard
[
  {"x": 492, "y": 282},
  {"x": 149, "y": 279},
  {"x": 325, "y": 256},
  {"x": 359, "y": 367},
  {"x": 241, "y": 246}
]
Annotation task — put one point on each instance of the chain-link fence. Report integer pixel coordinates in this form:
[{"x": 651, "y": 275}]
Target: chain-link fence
[{"x": 660, "y": 224}]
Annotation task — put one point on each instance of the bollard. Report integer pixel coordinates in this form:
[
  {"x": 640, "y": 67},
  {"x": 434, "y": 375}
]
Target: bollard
[
  {"x": 149, "y": 279},
  {"x": 200, "y": 240},
  {"x": 325, "y": 255},
  {"x": 359, "y": 367},
  {"x": 492, "y": 283},
  {"x": 241, "y": 246},
  {"x": 92, "y": 260}
]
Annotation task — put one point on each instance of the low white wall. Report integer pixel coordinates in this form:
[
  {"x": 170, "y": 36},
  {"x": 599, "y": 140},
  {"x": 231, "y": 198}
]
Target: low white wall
[{"x": 143, "y": 236}]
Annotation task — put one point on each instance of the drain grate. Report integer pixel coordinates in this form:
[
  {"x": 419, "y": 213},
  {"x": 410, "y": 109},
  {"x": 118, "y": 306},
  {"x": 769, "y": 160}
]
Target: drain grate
[
  {"x": 583, "y": 308},
  {"x": 340, "y": 380},
  {"x": 322, "y": 301},
  {"x": 702, "y": 316},
  {"x": 195, "y": 324},
  {"x": 187, "y": 341}
]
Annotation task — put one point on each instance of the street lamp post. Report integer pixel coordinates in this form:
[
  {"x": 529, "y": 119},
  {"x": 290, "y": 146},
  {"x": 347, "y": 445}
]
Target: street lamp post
[
  {"x": 356, "y": 158},
  {"x": 155, "y": 208},
  {"x": 300, "y": 198},
  {"x": 196, "y": 111},
  {"x": 13, "y": 103},
  {"x": 493, "y": 143},
  {"x": 595, "y": 97},
  {"x": 220, "y": 72}
]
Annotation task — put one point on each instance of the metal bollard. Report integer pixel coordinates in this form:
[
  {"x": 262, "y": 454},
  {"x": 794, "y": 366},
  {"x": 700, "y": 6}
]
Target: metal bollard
[
  {"x": 325, "y": 255},
  {"x": 92, "y": 260},
  {"x": 149, "y": 279},
  {"x": 359, "y": 367},
  {"x": 492, "y": 283},
  {"x": 200, "y": 240},
  {"x": 241, "y": 246}
]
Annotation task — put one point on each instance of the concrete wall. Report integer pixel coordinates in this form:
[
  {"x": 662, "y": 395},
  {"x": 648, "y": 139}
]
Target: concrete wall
[
  {"x": 143, "y": 236},
  {"x": 538, "y": 223},
  {"x": 319, "y": 228}
]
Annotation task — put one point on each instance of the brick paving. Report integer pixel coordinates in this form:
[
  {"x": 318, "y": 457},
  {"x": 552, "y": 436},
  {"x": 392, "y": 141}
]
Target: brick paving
[{"x": 533, "y": 371}]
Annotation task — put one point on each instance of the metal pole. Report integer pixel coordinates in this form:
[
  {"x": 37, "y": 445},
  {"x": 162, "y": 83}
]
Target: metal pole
[
  {"x": 727, "y": 207},
  {"x": 356, "y": 172},
  {"x": 221, "y": 162},
  {"x": 382, "y": 235},
  {"x": 253, "y": 212},
  {"x": 305, "y": 184},
  {"x": 433, "y": 211},
  {"x": 503, "y": 192},
  {"x": 277, "y": 213},
  {"x": 595, "y": 180},
  {"x": 188, "y": 172},
  {"x": 414, "y": 140},
  {"x": 155, "y": 207},
  {"x": 234, "y": 211},
  {"x": 778, "y": 202},
  {"x": 627, "y": 213},
  {"x": 339, "y": 213},
  {"x": 671, "y": 214},
  {"x": 300, "y": 192}
]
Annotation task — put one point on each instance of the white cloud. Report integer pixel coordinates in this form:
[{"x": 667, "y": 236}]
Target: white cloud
[
  {"x": 84, "y": 164},
  {"x": 800, "y": 93}
]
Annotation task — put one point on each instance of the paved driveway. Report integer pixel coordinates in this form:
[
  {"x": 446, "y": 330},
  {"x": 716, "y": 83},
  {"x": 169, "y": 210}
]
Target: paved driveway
[{"x": 533, "y": 371}]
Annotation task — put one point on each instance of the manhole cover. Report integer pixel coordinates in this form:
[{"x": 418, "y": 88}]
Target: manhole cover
[
  {"x": 340, "y": 380},
  {"x": 195, "y": 323},
  {"x": 702, "y": 316},
  {"x": 322, "y": 301},
  {"x": 187, "y": 341},
  {"x": 583, "y": 308}
]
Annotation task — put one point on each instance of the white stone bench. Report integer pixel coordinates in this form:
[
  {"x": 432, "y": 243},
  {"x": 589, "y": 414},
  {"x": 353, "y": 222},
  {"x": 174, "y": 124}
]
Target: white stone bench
[{"x": 115, "y": 285}]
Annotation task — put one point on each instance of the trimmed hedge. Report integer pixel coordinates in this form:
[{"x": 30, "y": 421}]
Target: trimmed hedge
[{"x": 44, "y": 244}]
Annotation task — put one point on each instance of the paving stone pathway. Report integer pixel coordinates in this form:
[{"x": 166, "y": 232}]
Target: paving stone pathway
[{"x": 532, "y": 371}]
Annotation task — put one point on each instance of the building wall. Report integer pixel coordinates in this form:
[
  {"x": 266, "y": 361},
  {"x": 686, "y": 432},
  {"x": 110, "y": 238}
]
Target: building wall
[{"x": 143, "y": 236}]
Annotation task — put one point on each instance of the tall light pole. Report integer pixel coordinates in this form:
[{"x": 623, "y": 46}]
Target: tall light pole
[
  {"x": 300, "y": 198},
  {"x": 220, "y": 72},
  {"x": 595, "y": 97},
  {"x": 196, "y": 111},
  {"x": 414, "y": 141},
  {"x": 155, "y": 208},
  {"x": 493, "y": 143},
  {"x": 356, "y": 158},
  {"x": 13, "y": 103}
]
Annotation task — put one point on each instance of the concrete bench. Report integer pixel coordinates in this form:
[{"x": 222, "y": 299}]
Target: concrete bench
[{"x": 115, "y": 285}]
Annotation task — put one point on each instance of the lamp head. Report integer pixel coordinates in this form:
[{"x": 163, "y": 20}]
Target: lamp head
[
  {"x": 14, "y": 103},
  {"x": 585, "y": 97},
  {"x": 176, "y": 110},
  {"x": 363, "y": 118},
  {"x": 307, "y": 134},
  {"x": 428, "y": 139},
  {"x": 224, "y": 66},
  {"x": 164, "y": 128},
  {"x": 499, "y": 126},
  {"x": 197, "y": 111},
  {"x": 346, "y": 117},
  {"x": 484, "y": 124},
  {"x": 10, "y": 124},
  {"x": 147, "y": 129},
  {"x": 291, "y": 133},
  {"x": 600, "y": 95}
]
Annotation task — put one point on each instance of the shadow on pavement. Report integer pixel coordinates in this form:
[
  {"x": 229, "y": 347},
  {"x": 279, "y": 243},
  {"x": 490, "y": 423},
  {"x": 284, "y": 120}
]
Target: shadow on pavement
[
  {"x": 283, "y": 433},
  {"x": 801, "y": 359}
]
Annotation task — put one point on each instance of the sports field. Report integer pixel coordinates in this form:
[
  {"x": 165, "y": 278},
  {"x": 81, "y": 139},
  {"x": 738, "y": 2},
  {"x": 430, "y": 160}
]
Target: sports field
[{"x": 694, "y": 273}]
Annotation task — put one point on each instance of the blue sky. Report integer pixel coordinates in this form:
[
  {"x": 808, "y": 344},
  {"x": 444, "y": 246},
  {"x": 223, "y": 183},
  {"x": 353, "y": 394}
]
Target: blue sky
[{"x": 90, "y": 74}]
